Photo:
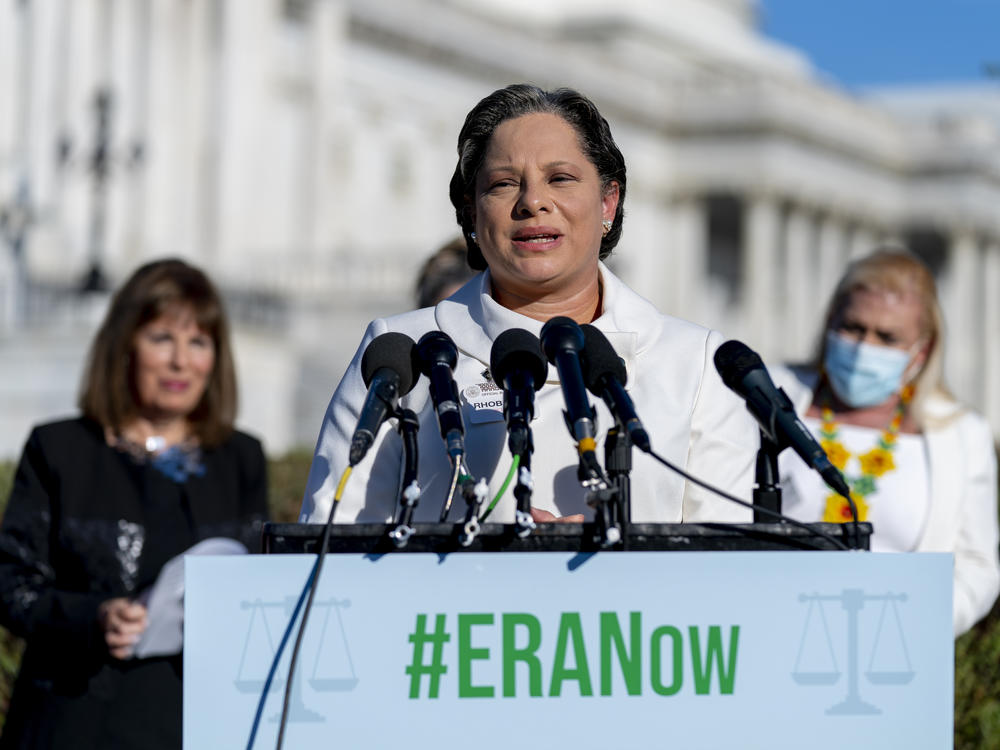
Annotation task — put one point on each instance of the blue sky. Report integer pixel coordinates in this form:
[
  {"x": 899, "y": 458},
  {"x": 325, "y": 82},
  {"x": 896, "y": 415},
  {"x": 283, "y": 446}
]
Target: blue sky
[{"x": 872, "y": 42}]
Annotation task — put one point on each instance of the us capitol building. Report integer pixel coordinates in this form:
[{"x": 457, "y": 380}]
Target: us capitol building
[{"x": 300, "y": 151}]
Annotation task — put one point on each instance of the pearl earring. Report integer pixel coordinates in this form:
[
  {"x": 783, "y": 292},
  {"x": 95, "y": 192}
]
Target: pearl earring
[{"x": 607, "y": 227}]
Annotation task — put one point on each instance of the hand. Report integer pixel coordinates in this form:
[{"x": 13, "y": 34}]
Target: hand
[
  {"x": 122, "y": 621},
  {"x": 543, "y": 516}
]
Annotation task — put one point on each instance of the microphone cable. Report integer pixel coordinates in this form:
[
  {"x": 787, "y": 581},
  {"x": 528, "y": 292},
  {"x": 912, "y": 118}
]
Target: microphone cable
[
  {"x": 503, "y": 488},
  {"x": 313, "y": 585},
  {"x": 309, "y": 589},
  {"x": 767, "y": 511},
  {"x": 473, "y": 491},
  {"x": 743, "y": 372},
  {"x": 456, "y": 470}
]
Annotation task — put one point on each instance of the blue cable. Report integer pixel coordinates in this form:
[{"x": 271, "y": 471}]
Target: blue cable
[{"x": 277, "y": 656}]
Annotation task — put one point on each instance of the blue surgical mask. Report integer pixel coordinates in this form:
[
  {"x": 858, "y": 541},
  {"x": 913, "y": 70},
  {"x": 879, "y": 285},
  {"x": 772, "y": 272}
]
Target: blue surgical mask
[{"x": 863, "y": 374}]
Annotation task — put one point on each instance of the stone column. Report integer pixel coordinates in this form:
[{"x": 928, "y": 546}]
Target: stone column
[
  {"x": 326, "y": 30},
  {"x": 862, "y": 242},
  {"x": 132, "y": 188},
  {"x": 832, "y": 250},
  {"x": 960, "y": 292},
  {"x": 648, "y": 266},
  {"x": 688, "y": 249},
  {"x": 173, "y": 181},
  {"x": 16, "y": 143},
  {"x": 246, "y": 153},
  {"x": 800, "y": 294},
  {"x": 201, "y": 136},
  {"x": 991, "y": 332},
  {"x": 760, "y": 277},
  {"x": 11, "y": 37}
]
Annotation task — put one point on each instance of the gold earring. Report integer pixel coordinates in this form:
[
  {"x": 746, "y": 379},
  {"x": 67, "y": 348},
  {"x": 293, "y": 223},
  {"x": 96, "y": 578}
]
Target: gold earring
[{"x": 607, "y": 227}]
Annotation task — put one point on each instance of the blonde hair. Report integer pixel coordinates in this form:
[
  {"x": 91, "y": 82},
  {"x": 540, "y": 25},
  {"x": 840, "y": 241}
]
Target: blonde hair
[{"x": 898, "y": 271}]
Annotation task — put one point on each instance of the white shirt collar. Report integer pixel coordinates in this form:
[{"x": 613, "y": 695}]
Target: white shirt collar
[{"x": 630, "y": 322}]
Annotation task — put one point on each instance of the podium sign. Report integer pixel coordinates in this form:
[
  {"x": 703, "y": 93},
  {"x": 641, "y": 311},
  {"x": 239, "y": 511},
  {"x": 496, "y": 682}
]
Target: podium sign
[{"x": 625, "y": 650}]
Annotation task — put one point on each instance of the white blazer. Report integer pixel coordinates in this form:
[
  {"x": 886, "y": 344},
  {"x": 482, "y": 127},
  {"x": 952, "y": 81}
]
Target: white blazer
[
  {"x": 963, "y": 492},
  {"x": 691, "y": 417}
]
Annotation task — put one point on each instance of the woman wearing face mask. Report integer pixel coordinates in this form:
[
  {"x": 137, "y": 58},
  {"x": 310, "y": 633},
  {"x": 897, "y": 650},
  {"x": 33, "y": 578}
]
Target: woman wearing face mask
[{"x": 921, "y": 466}]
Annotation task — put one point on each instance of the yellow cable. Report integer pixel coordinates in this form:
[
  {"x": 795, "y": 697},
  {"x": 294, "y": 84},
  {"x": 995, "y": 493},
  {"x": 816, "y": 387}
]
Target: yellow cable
[{"x": 340, "y": 485}]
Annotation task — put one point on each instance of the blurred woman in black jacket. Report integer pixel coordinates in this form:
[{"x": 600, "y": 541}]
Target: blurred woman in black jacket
[{"x": 102, "y": 501}]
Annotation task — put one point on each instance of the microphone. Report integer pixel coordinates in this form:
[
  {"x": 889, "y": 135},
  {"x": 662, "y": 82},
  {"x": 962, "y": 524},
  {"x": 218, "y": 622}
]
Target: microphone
[
  {"x": 743, "y": 371},
  {"x": 562, "y": 341},
  {"x": 387, "y": 368},
  {"x": 605, "y": 377},
  {"x": 517, "y": 364},
  {"x": 436, "y": 357}
]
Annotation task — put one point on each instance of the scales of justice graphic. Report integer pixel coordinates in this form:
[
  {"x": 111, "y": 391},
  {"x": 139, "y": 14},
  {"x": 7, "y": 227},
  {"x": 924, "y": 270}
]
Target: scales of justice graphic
[
  {"x": 898, "y": 672},
  {"x": 328, "y": 673}
]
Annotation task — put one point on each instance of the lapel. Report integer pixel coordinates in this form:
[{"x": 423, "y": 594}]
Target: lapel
[
  {"x": 944, "y": 460},
  {"x": 473, "y": 320},
  {"x": 206, "y": 494}
]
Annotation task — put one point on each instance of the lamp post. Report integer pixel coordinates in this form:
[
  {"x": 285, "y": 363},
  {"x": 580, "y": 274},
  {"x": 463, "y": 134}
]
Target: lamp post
[
  {"x": 100, "y": 163},
  {"x": 94, "y": 279}
]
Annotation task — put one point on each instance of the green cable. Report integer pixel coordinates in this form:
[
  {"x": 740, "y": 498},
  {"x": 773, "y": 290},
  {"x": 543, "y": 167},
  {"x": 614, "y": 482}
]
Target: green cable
[{"x": 503, "y": 488}]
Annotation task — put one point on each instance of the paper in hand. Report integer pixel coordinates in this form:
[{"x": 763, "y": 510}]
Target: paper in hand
[{"x": 164, "y": 600}]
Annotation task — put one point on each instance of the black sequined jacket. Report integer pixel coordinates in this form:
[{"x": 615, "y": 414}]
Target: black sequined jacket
[{"x": 85, "y": 523}]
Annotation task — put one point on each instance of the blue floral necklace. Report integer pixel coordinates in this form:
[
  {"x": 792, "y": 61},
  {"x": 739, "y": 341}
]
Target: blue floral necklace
[{"x": 176, "y": 462}]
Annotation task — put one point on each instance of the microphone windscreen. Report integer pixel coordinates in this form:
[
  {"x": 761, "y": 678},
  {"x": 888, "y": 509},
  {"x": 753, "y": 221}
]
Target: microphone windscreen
[
  {"x": 518, "y": 349},
  {"x": 436, "y": 347},
  {"x": 561, "y": 334},
  {"x": 395, "y": 351},
  {"x": 599, "y": 360},
  {"x": 734, "y": 360}
]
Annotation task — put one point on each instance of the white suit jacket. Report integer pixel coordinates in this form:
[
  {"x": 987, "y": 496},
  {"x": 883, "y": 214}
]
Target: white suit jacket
[
  {"x": 691, "y": 417},
  {"x": 963, "y": 492}
]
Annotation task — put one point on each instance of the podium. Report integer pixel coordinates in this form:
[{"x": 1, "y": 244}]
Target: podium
[
  {"x": 697, "y": 636},
  {"x": 373, "y": 538}
]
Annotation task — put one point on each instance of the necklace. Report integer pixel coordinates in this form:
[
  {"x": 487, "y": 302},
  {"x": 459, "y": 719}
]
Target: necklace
[
  {"x": 177, "y": 462},
  {"x": 876, "y": 463},
  {"x": 155, "y": 443}
]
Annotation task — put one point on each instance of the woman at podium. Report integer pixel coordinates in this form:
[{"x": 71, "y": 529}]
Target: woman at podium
[
  {"x": 921, "y": 466},
  {"x": 101, "y": 502},
  {"x": 539, "y": 192}
]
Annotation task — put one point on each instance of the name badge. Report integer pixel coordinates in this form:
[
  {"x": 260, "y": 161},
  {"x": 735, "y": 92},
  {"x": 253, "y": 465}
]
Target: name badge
[{"x": 486, "y": 400}]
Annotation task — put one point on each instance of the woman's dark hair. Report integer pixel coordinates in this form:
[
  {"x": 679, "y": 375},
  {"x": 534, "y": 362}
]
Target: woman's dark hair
[
  {"x": 444, "y": 270},
  {"x": 108, "y": 394},
  {"x": 523, "y": 99}
]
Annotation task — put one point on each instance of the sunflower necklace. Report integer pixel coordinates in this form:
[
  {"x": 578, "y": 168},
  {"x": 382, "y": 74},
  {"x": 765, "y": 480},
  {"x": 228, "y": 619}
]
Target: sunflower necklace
[{"x": 874, "y": 464}]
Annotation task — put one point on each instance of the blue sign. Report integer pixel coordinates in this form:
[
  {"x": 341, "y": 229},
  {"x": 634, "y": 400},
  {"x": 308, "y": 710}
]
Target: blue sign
[{"x": 723, "y": 649}]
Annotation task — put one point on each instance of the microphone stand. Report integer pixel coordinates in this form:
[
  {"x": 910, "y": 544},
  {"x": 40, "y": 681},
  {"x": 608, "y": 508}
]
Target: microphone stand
[
  {"x": 767, "y": 490},
  {"x": 618, "y": 462},
  {"x": 523, "y": 522},
  {"x": 475, "y": 494},
  {"x": 410, "y": 493},
  {"x": 521, "y": 445},
  {"x": 601, "y": 497}
]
